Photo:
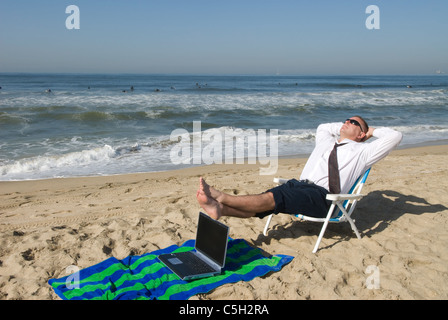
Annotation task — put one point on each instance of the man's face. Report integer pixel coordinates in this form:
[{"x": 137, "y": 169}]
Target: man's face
[{"x": 352, "y": 129}]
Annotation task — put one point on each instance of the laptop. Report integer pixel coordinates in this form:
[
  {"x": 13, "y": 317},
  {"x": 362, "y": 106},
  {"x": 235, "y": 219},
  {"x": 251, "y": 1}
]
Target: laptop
[{"x": 209, "y": 256}]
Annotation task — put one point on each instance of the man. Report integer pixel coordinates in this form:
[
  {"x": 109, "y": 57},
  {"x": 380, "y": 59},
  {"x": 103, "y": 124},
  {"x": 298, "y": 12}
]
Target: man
[{"x": 308, "y": 196}]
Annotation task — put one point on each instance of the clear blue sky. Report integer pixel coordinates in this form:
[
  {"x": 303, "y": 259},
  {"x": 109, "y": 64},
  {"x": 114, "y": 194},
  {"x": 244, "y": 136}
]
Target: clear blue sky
[{"x": 224, "y": 36}]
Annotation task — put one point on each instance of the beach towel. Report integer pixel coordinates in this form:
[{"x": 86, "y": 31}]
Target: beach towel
[{"x": 146, "y": 278}]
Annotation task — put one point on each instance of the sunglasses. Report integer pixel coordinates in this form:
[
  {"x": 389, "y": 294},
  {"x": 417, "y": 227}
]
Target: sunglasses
[{"x": 356, "y": 123}]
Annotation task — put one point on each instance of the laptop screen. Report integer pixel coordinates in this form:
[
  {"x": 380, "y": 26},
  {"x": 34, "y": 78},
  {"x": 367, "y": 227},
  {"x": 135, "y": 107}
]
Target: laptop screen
[{"x": 211, "y": 238}]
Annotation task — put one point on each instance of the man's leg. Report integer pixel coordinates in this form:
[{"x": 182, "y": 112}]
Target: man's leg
[{"x": 217, "y": 203}]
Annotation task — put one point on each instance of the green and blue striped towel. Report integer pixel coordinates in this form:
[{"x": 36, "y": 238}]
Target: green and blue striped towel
[{"x": 145, "y": 277}]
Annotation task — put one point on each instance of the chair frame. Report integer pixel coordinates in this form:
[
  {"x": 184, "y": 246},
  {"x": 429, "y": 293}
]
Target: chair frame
[{"x": 343, "y": 202}]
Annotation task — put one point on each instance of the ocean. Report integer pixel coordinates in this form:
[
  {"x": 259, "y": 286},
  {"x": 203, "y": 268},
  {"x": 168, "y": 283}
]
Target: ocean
[{"x": 69, "y": 125}]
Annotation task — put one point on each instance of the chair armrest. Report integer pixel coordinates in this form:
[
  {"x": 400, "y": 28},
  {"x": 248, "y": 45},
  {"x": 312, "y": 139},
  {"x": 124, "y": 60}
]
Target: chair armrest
[
  {"x": 280, "y": 180},
  {"x": 336, "y": 197}
]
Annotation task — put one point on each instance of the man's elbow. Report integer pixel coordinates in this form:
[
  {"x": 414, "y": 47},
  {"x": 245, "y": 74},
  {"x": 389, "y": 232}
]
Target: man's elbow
[{"x": 398, "y": 136}]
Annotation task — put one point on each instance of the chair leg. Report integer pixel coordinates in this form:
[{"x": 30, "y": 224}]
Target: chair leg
[
  {"x": 350, "y": 220},
  {"x": 354, "y": 228},
  {"x": 324, "y": 227},
  {"x": 266, "y": 227}
]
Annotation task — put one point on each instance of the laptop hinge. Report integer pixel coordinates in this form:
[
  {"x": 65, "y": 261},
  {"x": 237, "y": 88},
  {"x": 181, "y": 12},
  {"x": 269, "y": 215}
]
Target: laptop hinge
[{"x": 211, "y": 262}]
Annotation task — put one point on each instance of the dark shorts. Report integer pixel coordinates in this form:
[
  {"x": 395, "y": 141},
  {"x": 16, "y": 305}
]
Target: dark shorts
[{"x": 299, "y": 197}]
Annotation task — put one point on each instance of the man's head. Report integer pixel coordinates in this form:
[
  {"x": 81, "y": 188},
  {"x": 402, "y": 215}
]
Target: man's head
[{"x": 354, "y": 128}]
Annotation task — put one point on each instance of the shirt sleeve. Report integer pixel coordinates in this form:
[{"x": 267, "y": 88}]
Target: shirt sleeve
[
  {"x": 387, "y": 139},
  {"x": 328, "y": 131}
]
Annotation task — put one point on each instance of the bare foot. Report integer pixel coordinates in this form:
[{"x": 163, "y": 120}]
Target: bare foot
[
  {"x": 209, "y": 190},
  {"x": 212, "y": 207}
]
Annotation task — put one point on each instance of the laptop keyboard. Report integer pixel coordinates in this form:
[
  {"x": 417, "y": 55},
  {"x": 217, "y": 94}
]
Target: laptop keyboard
[{"x": 197, "y": 264}]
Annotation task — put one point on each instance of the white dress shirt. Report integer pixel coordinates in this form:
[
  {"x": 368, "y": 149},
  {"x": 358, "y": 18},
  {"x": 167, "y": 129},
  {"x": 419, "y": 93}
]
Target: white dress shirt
[{"x": 353, "y": 158}]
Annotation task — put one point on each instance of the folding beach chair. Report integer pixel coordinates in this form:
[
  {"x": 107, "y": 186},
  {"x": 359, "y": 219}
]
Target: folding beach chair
[{"x": 344, "y": 202}]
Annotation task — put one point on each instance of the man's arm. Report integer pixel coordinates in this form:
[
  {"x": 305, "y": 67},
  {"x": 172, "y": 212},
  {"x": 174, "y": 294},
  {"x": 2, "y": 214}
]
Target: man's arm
[
  {"x": 327, "y": 131},
  {"x": 387, "y": 139},
  {"x": 369, "y": 134}
]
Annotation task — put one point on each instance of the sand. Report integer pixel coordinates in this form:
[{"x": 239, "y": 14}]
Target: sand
[{"x": 49, "y": 225}]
